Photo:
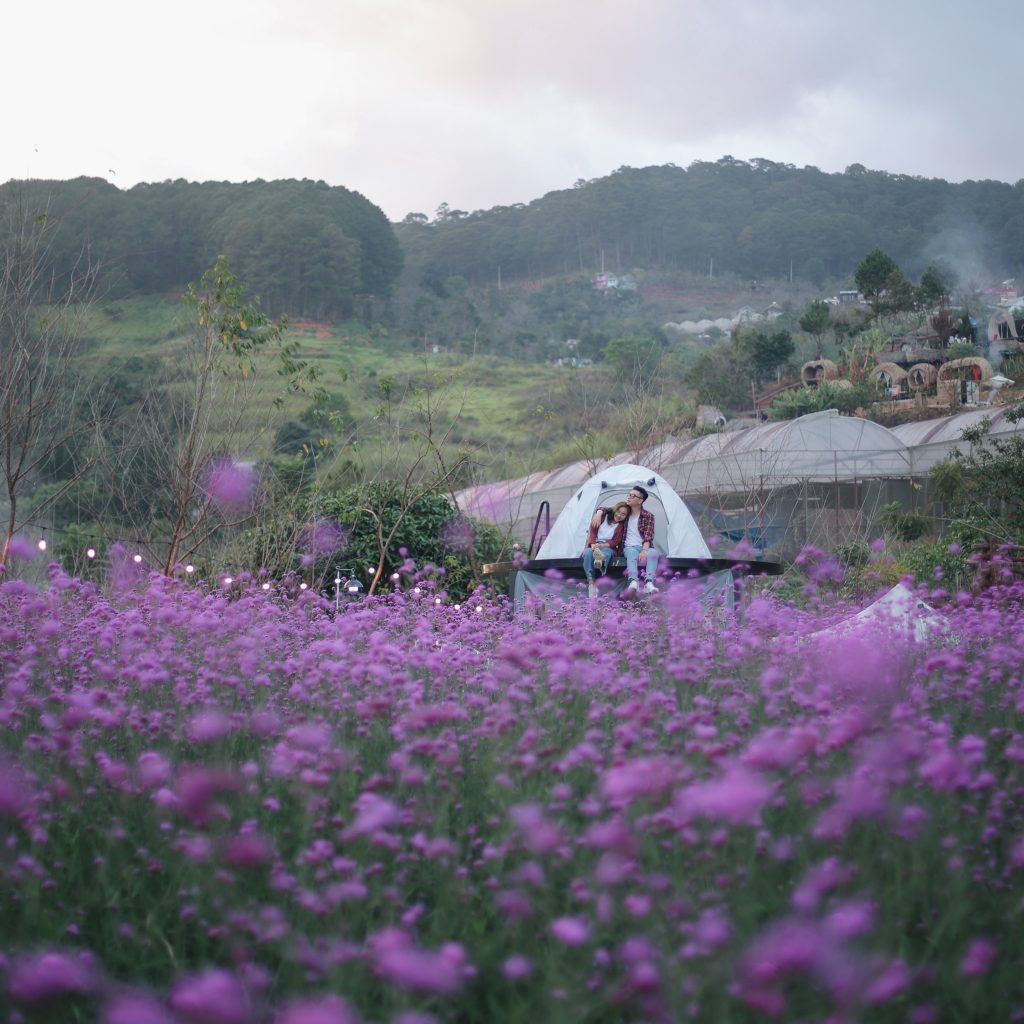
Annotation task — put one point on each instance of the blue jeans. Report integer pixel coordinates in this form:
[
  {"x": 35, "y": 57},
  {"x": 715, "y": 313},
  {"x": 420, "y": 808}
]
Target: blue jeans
[
  {"x": 632, "y": 554},
  {"x": 588, "y": 561}
]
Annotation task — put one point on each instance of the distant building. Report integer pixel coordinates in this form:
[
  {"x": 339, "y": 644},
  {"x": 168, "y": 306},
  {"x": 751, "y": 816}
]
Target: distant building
[{"x": 606, "y": 282}]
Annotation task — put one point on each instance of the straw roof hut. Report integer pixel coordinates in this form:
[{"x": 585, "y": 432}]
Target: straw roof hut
[
  {"x": 814, "y": 372},
  {"x": 921, "y": 376},
  {"x": 888, "y": 375},
  {"x": 969, "y": 368}
]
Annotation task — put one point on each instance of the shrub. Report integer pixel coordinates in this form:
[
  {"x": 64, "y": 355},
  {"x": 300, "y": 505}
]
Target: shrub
[
  {"x": 899, "y": 524},
  {"x": 827, "y": 395}
]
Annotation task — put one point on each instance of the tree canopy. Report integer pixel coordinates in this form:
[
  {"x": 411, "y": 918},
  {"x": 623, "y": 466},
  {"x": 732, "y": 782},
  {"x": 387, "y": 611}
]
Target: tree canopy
[
  {"x": 305, "y": 248},
  {"x": 758, "y": 219}
]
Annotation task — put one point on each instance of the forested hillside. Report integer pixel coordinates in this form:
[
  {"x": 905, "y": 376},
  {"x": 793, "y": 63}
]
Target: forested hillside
[
  {"x": 755, "y": 219},
  {"x": 306, "y": 248},
  {"x": 447, "y": 351},
  {"x": 310, "y": 249}
]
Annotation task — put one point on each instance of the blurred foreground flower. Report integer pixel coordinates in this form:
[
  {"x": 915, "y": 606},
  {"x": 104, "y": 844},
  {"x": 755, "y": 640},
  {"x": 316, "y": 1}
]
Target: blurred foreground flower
[
  {"x": 53, "y": 975},
  {"x": 231, "y": 485},
  {"x": 213, "y": 997},
  {"x": 19, "y": 547}
]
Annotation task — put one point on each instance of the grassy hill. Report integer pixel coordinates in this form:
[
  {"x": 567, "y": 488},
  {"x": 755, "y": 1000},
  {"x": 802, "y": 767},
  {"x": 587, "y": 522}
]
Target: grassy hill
[{"x": 512, "y": 417}]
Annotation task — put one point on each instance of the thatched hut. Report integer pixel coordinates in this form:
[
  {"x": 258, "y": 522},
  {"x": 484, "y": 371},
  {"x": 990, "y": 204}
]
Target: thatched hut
[
  {"x": 921, "y": 376},
  {"x": 959, "y": 381},
  {"x": 888, "y": 375},
  {"x": 814, "y": 372}
]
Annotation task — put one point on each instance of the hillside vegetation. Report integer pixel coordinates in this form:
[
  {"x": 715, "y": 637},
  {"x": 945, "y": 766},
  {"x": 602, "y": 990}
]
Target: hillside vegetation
[
  {"x": 511, "y": 417},
  {"x": 756, "y": 219},
  {"x": 305, "y": 248},
  {"x": 448, "y": 351}
]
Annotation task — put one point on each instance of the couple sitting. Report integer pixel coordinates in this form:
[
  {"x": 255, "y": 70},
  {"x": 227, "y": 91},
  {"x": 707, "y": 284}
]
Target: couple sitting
[{"x": 627, "y": 528}]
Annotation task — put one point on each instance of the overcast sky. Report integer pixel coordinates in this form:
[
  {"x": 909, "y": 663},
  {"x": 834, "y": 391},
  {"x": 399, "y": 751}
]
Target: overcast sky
[{"x": 478, "y": 104}]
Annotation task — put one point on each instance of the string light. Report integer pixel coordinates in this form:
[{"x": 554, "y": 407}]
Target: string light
[{"x": 352, "y": 586}]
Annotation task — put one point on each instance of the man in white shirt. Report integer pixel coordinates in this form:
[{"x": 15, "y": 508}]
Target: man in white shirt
[{"x": 639, "y": 544}]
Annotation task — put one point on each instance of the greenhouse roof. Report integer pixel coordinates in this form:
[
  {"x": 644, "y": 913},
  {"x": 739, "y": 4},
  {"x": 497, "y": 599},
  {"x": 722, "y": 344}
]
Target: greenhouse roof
[{"x": 822, "y": 447}]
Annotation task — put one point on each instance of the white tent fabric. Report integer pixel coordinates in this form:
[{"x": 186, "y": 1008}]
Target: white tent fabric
[
  {"x": 899, "y": 610},
  {"x": 676, "y": 533},
  {"x": 902, "y": 610}
]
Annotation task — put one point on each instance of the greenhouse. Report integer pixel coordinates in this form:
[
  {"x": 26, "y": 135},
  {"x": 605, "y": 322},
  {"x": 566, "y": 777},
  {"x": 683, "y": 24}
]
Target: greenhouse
[{"x": 767, "y": 490}]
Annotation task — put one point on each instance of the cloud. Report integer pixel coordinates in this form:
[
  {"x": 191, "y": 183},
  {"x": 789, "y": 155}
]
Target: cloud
[{"x": 418, "y": 102}]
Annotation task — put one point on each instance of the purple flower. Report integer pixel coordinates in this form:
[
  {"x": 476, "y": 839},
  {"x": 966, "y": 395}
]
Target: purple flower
[
  {"x": 208, "y": 726},
  {"x": 373, "y": 813},
  {"x": 400, "y": 962},
  {"x": 855, "y": 917},
  {"x": 212, "y": 997},
  {"x": 644, "y": 776},
  {"x": 711, "y": 930},
  {"x": 571, "y": 931},
  {"x": 53, "y": 975},
  {"x": 23, "y": 548},
  {"x": 135, "y": 1008},
  {"x": 737, "y": 797},
  {"x": 457, "y": 534},
  {"x": 325, "y": 1010},
  {"x": 893, "y": 980},
  {"x": 539, "y": 834},
  {"x": 14, "y": 791},
  {"x": 247, "y": 851},
  {"x": 517, "y": 967},
  {"x": 322, "y": 537},
  {"x": 231, "y": 485},
  {"x": 818, "y": 882},
  {"x": 198, "y": 787},
  {"x": 153, "y": 769},
  {"x": 978, "y": 959}
]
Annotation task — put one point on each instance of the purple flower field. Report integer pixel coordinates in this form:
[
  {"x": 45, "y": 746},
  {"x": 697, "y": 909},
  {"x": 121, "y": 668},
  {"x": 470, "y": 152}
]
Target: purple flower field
[{"x": 228, "y": 809}]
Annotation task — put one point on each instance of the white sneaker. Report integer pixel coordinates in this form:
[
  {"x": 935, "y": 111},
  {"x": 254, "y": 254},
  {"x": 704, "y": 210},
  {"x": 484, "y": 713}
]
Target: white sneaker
[
  {"x": 591, "y": 590},
  {"x": 650, "y": 588},
  {"x": 634, "y": 585}
]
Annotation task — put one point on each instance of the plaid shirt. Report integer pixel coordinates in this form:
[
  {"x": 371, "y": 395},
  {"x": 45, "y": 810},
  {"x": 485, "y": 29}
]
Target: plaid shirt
[{"x": 645, "y": 524}]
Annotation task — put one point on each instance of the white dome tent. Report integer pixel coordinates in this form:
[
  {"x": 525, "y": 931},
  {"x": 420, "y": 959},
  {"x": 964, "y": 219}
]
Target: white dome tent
[
  {"x": 556, "y": 571},
  {"x": 676, "y": 534}
]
